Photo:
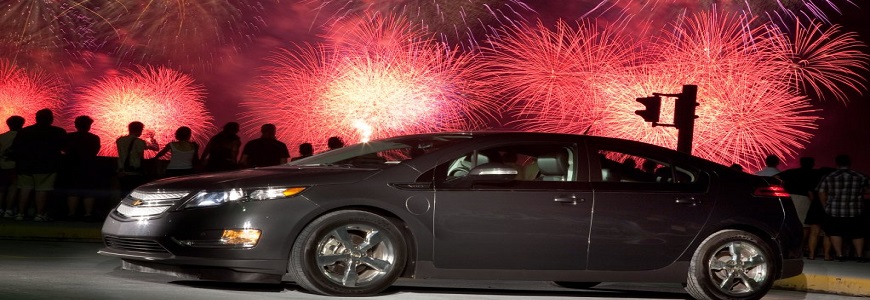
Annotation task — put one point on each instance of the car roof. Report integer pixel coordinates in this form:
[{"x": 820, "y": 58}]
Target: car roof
[{"x": 496, "y": 134}]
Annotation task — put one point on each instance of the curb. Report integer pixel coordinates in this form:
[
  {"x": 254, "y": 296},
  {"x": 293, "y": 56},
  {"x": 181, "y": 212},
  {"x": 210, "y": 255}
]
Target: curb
[{"x": 821, "y": 282}]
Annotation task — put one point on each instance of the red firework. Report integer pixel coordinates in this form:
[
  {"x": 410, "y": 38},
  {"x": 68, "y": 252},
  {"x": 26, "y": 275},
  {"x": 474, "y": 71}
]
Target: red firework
[
  {"x": 400, "y": 87},
  {"x": 656, "y": 11},
  {"x": 748, "y": 107},
  {"x": 23, "y": 93},
  {"x": 551, "y": 78},
  {"x": 821, "y": 61},
  {"x": 161, "y": 98},
  {"x": 452, "y": 22}
]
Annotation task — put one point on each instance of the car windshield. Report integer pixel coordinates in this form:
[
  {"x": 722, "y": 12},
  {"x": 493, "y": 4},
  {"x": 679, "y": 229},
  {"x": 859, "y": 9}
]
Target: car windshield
[{"x": 383, "y": 153}]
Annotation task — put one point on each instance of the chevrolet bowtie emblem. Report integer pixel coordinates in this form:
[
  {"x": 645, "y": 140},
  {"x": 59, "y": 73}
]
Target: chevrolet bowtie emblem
[{"x": 136, "y": 202}]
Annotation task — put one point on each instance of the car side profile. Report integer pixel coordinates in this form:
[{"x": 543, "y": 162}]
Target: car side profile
[{"x": 572, "y": 209}]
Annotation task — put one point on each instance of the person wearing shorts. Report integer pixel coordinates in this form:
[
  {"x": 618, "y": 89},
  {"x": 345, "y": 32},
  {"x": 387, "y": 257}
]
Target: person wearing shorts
[
  {"x": 842, "y": 194},
  {"x": 38, "y": 153}
]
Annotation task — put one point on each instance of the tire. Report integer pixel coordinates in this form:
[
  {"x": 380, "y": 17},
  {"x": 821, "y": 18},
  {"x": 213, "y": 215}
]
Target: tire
[
  {"x": 372, "y": 244},
  {"x": 731, "y": 264},
  {"x": 575, "y": 285}
]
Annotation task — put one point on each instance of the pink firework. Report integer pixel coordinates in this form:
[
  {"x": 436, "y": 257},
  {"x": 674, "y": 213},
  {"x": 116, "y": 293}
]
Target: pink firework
[
  {"x": 454, "y": 22},
  {"x": 161, "y": 98},
  {"x": 23, "y": 93},
  {"x": 551, "y": 79},
  {"x": 823, "y": 62},
  {"x": 748, "y": 109},
  {"x": 313, "y": 93},
  {"x": 375, "y": 35},
  {"x": 743, "y": 119}
]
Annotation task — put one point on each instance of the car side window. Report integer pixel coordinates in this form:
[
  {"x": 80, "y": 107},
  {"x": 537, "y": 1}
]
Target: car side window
[
  {"x": 531, "y": 162},
  {"x": 618, "y": 166}
]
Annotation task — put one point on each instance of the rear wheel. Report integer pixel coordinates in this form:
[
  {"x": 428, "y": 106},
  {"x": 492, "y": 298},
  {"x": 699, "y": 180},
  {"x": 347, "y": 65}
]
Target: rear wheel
[
  {"x": 348, "y": 253},
  {"x": 731, "y": 264}
]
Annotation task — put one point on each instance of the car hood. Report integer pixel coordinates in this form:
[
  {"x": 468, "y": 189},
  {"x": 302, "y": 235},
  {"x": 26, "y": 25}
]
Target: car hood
[{"x": 261, "y": 177}]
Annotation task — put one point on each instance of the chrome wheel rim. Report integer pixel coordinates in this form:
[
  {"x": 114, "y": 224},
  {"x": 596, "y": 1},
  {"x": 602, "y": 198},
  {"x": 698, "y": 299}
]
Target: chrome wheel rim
[
  {"x": 355, "y": 255},
  {"x": 739, "y": 268}
]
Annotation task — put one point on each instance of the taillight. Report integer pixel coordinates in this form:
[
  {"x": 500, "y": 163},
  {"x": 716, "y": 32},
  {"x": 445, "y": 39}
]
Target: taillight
[{"x": 770, "y": 191}]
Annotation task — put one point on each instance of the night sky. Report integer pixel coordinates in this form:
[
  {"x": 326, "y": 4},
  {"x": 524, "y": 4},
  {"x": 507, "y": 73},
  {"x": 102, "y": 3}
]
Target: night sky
[{"x": 227, "y": 57}]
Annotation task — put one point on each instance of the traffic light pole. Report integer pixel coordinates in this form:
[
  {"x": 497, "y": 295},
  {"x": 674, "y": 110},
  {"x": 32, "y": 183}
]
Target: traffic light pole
[
  {"x": 684, "y": 114},
  {"x": 685, "y": 107}
]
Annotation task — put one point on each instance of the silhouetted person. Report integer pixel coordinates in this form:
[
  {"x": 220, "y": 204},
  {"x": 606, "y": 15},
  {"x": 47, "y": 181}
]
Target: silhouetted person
[
  {"x": 8, "y": 176},
  {"x": 79, "y": 169},
  {"x": 222, "y": 151},
  {"x": 131, "y": 154},
  {"x": 801, "y": 183},
  {"x": 305, "y": 150},
  {"x": 771, "y": 164},
  {"x": 737, "y": 167},
  {"x": 842, "y": 193},
  {"x": 184, "y": 153},
  {"x": 37, "y": 151},
  {"x": 334, "y": 143},
  {"x": 264, "y": 151}
]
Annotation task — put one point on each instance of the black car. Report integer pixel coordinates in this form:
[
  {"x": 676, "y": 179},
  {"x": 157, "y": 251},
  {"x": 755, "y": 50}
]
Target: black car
[{"x": 572, "y": 209}]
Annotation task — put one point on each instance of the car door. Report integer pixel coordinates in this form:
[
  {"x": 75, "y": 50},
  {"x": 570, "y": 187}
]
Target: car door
[
  {"x": 647, "y": 208},
  {"x": 538, "y": 220}
]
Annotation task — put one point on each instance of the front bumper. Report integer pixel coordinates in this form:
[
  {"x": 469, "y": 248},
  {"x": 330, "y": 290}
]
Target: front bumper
[{"x": 186, "y": 241}]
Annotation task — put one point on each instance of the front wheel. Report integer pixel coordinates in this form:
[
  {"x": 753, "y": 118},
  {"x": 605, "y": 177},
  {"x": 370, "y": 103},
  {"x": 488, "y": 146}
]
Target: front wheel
[
  {"x": 348, "y": 253},
  {"x": 731, "y": 264}
]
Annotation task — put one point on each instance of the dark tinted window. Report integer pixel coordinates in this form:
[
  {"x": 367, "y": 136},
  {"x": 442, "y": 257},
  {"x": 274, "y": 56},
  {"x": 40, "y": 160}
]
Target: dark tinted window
[{"x": 624, "y": 166}]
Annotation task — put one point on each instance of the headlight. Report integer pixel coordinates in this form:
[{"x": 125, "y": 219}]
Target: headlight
[{"x": 214, "y": 198}]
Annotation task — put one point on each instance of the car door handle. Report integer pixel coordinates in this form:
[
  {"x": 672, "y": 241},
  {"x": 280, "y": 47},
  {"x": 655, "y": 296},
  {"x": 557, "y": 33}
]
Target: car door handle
[
  {"x": 569, "y": 200},
  {"x": 688, "y": 200}
]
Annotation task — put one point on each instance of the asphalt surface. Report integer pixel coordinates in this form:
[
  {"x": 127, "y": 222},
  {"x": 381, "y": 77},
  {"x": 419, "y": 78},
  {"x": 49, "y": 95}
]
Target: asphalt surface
[{"x": 831, "y": 277}]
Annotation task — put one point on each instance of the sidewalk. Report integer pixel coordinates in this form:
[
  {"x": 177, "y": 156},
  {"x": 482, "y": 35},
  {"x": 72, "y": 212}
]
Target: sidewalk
[
  {"x": 60, "y": 231},
  {"x": 833, "y": 277}
]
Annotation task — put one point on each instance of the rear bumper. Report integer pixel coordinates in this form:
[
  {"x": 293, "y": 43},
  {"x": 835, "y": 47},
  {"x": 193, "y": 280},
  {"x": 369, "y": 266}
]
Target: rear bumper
[{"x": 792, "y": 267}]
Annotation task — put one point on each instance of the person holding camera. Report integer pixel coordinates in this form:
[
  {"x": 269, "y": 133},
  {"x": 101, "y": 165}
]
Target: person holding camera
[{"x": 131, "y": 154}]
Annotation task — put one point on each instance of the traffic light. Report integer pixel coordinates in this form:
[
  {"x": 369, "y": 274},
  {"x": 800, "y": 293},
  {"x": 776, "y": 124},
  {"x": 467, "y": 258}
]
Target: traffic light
[
  {"x": 684, "y": 108},
  {"x": 653, "y": 108}
]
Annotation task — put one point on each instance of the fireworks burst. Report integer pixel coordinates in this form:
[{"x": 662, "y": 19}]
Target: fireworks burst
[
  {"x": 181, "y": 32},
  {"x": 161, "y": 98},
  {"x": 822, "y": 61},
  {"x": 748, "y": 106},
  {"x": 779, "y": 11},
  {"x": 544, "y": 72},
  {"x": 745, "y": 119},
  {"x": 23, "y": 93},
  {"x": 395, "y": 88},
  {"x": 41, "y": 28},
  {"x": 454, "y": 22}
]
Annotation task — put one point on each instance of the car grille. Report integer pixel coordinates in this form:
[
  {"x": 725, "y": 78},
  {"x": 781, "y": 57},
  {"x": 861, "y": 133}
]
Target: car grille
[
  {"x": 145, "y": 204},
  {"x": 137, "y": 245}
]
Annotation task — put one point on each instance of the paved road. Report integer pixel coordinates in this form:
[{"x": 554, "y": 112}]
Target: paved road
[{"x": 68, "y": 270}]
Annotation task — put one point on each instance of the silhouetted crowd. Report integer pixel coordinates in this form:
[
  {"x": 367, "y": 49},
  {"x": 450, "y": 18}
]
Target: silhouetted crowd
[
  {"x": 42, "y": 162},
  {"x": 830, "y": 202}
]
